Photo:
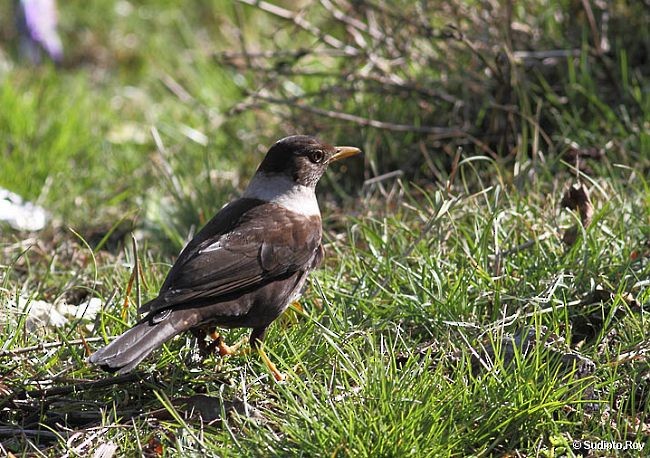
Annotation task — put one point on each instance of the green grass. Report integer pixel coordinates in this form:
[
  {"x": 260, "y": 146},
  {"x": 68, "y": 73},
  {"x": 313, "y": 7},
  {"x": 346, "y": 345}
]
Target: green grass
[{"x": 405, "y": 345}]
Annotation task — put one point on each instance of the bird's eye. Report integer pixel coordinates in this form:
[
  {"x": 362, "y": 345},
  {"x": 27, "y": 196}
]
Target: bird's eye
[{"x": 316, "y": 156}]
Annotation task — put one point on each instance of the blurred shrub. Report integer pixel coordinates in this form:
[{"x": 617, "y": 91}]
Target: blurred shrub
[{"x": 411, "y": 81}]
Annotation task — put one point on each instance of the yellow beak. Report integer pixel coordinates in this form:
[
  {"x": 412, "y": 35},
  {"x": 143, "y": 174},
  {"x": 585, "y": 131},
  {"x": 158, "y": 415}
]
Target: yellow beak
[{"x": 344, "y": 151}]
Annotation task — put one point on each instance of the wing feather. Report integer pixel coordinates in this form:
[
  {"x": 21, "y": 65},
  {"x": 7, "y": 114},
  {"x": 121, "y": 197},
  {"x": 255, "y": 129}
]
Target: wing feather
[{"x": 246, "y": 245}]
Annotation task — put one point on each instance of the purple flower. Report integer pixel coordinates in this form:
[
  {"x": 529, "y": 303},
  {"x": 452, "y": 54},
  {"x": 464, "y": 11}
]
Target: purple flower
[{"x": 37, "y": 20}]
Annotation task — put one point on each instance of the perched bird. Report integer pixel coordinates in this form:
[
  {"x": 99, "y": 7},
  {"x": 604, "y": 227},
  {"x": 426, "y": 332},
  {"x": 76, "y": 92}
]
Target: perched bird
[{"x": 246, "y": 265}]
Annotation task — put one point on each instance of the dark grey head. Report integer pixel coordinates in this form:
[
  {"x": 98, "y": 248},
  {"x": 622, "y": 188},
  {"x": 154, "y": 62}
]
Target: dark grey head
[{"x": 303, "y": 158}]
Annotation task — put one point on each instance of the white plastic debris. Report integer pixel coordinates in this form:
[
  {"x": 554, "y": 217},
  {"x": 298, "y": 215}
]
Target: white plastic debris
[
  {"x": 105, "y": 450},
  {"x": 19, "y": 214},
  {"x": 87, "y": 310},
  {"x": 43, "y": 314}
]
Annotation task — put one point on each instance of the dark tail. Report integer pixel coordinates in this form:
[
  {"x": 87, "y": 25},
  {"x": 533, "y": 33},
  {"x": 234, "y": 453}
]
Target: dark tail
[{"x": 126, "y": 352}]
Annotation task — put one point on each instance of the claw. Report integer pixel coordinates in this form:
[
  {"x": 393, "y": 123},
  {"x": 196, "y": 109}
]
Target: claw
[{"x": 228, "y": 350}]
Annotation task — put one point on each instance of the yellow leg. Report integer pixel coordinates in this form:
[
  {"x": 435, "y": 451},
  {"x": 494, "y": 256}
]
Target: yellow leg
[
  {"x": 228, "y": 350},
  {"x": 279, "y": 376}
]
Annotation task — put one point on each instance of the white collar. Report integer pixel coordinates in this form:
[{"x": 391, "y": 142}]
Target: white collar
[{"x": 282, "y": 190}]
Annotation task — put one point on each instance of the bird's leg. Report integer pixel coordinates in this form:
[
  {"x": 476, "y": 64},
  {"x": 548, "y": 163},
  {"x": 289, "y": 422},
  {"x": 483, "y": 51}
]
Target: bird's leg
[
  {"x": 218, "y": 342},
  {"x": 256, "y": 338}
]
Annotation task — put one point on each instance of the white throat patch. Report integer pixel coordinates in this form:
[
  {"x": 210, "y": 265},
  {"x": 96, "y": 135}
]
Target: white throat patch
[{"x": 283, "y": 191}]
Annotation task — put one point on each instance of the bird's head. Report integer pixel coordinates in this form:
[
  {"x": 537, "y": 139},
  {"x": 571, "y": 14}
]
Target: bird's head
[{"x": 303, "y": 159}]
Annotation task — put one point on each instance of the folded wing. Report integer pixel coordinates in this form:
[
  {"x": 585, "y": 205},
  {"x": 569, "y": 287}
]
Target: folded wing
[{"x": 246, "y": 245}]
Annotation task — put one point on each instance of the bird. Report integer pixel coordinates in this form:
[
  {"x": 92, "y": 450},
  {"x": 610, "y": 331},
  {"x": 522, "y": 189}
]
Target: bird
[{"x": 245, "y": 266}]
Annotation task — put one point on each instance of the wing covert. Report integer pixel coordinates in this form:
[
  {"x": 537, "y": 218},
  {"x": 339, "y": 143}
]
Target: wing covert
[{"x": 265, "y": 243}]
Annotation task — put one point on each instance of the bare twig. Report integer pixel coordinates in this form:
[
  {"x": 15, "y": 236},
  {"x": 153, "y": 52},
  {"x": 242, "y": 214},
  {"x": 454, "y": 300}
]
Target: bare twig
[
  {"x": 419, "y": 22},
  {"x": 454, "y": 169},
  {"x": 357, "y": 25},
  {"x": 412, "y": 86},
  {"x": 304, "y": 24},
  {"x": 176, "y": 88},
  {"x": 47, "y": 346},
  {"x": 17, "y": 432},
  {"x": 545, "y": 54},
  {"x": 82, "y": 386},
  {"x": 241, "y": 36},
  {"x": 599, "y": 51},
  {"x": 278, "y": 54},
  {"x": 438, "y": 132},
  {"x": 593, "y": 28},
  {"x": 385, "y": 176},
  {"x": 138, "y": 271},
  {"x": 460, "y": 36},
  {"x": 397, "y": 83}
]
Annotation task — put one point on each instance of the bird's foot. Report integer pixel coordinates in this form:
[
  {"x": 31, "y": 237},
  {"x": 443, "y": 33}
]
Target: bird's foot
[{"x": 230, "y": 350}]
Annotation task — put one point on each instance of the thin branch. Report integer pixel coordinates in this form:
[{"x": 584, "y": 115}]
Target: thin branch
[
  {"x": 385, "y": 176},
  {"x": 85, "y": 386},
  {"x": 421, "y": 25},
  {"x": 279, "y": 53},
  {"x": 47, "y": 346},
  {"x": 545, "y": 54},
  {"x": 593, "y": 28},
  {"x": 304, "y": 24},
  {"x": 460, "y": 36},
  {"x": 17, "y": 432},
  {"x": 138, "y": 271},
  {"x": 177, "y": 89},
  {"x": 356, "y": 26},
  {"x": 239, "y": 30},
  {"x": 395, "y": 82},
  {"x": 353, "y": 22},
  {"x": 437, "y": 132},
  {"x": 533, "y": 122}
]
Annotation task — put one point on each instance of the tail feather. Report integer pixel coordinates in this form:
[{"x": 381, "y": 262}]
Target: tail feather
[{"x": 129, "y": 349}]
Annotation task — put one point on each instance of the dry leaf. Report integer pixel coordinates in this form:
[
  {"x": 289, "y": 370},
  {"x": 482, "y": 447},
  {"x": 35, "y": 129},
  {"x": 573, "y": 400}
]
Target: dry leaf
[
  {"x": 153, "y": 447},
  {"x": 577, "y": 198}
]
